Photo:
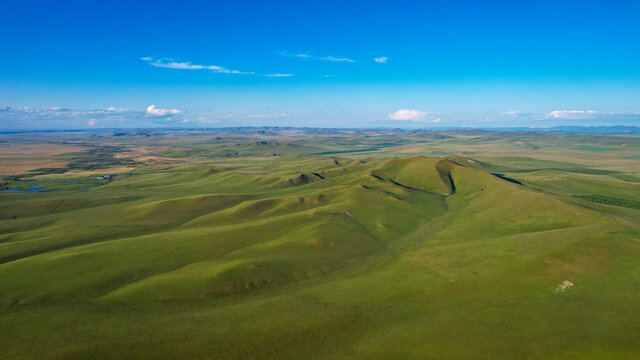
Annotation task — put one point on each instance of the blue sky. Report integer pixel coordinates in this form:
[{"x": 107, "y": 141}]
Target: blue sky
[{"x": 79, "y": 64}]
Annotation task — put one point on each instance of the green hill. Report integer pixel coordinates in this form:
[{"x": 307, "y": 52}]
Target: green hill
[{"x": 313, "y": 257}]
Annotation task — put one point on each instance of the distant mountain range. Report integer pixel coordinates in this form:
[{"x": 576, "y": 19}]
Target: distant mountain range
[
  {"x": 598, "y": 129},
  {"x": 616, "y": 129},
  {"x": 272, "y": 130}
]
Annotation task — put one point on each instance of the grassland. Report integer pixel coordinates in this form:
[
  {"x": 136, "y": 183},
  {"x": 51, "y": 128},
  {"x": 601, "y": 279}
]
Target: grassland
[{"x": 325, "y": 244}]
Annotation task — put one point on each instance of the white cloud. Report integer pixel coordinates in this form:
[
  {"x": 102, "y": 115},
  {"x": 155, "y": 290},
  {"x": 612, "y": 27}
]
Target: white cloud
[
  {"x": 153, "y": 111},
  {"x": 326, "y": 58},
  {"x": 573, "y": 114},
  {"x": 170, "y": 64},
  {"x": 336, "y": 59},
  {"x": 277, "y": 75},
  {"x": 113, "y": 108},
  {"x": 327, "y": 75},
  {"x": 381, "y": 60},
  {"x": 515, "y": 113},
  {"x": 299, "y": 55},
  {"x": 436, "y": 120},
  {"x": 409, "y": 115},
  {"x": 48, "y": 118}
]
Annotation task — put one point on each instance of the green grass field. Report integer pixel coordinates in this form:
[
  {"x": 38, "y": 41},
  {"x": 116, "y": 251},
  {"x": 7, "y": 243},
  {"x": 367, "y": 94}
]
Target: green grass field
[{"x": 308, "y": 244}]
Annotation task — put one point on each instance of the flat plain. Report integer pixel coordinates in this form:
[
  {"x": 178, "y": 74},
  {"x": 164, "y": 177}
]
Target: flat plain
[{"x": 281, "y": 243}]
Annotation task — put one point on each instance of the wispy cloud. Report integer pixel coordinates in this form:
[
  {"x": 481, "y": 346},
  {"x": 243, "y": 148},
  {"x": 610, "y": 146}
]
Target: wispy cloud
[
  {"x": 328, "y": 75},
  {"x": 337, "y": 59},
  {"x": 277, "y": 75},
  {"x": 187, "y": 65},
  {"x": 152, "y": 110},
  {"x": 113, "y": 108},
  {"x": 573, "y": 114},
  {"x": 62, "y": 118},
  {"x": 171, "y": 64},
  {"x": 516, "y": 113},
  {"x": 409, "y": 115},
  {"x": 298, "y": 55},
  {"x": 113, "y": 117},
  {"x": 325, "y": 58},
  {"x": 381, "y": 60}
]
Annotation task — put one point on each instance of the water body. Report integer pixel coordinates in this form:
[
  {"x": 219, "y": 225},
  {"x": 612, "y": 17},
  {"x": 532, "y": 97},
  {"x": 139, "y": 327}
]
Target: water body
[{"x": 32, "y": 189}]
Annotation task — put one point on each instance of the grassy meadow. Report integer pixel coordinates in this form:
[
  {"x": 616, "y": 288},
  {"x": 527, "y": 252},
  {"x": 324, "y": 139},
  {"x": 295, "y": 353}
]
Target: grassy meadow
[{"x": 319, "y": 244}]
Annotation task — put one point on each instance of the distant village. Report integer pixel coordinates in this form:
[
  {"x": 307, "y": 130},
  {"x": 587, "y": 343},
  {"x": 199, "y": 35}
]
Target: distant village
[{"x": 106, "y": 177}]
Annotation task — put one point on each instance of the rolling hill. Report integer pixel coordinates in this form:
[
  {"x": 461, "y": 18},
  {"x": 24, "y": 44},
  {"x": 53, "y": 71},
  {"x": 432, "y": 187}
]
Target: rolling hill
[
  {"x": 372, "y": 258},
  {"x": 490, "y": 254}
]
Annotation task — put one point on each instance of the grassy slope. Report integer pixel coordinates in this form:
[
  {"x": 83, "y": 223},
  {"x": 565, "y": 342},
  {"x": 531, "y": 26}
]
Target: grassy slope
[{"x": 232, "y": 261}]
